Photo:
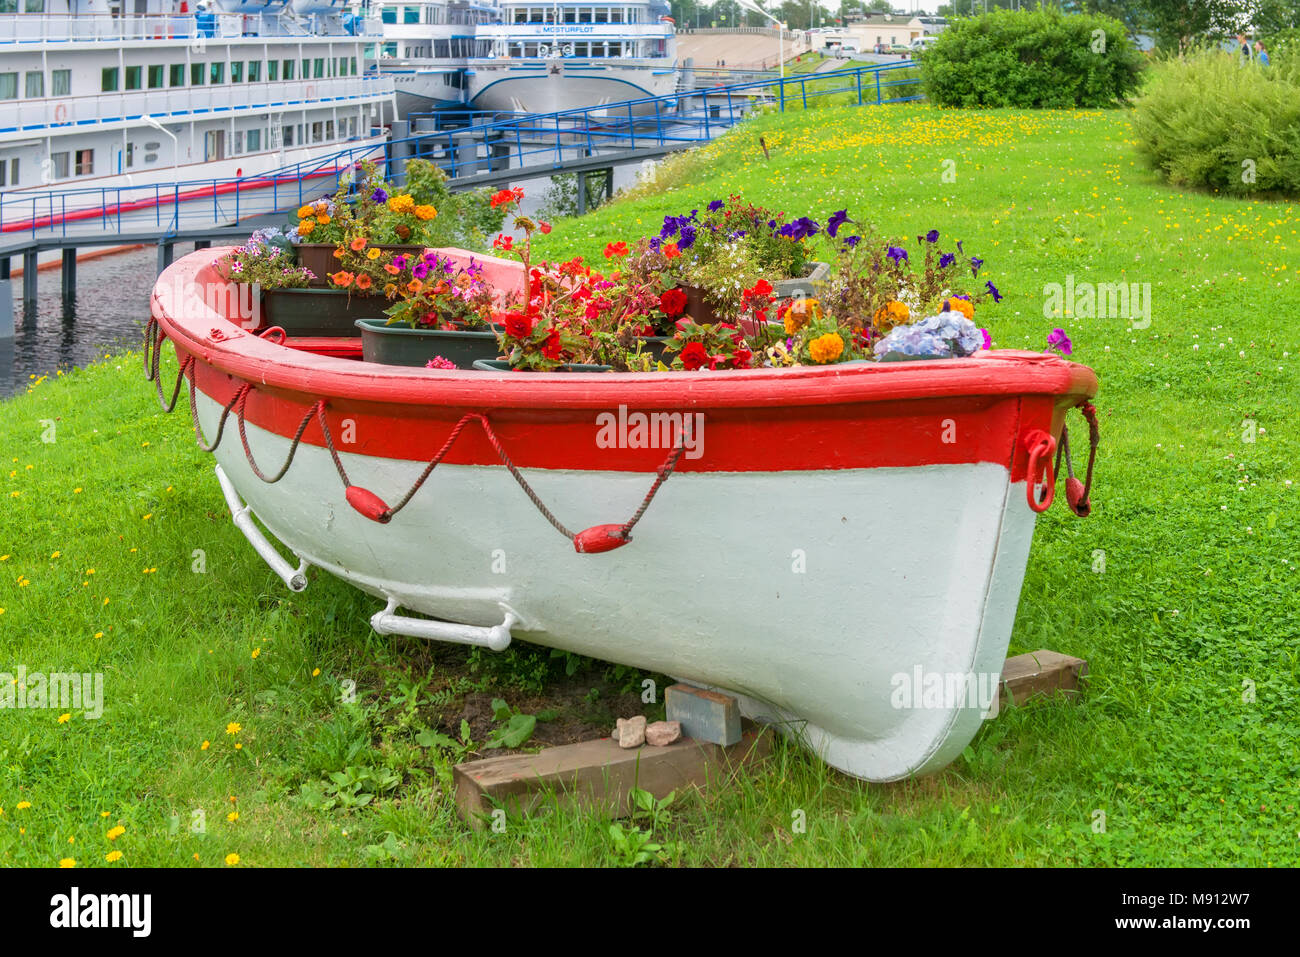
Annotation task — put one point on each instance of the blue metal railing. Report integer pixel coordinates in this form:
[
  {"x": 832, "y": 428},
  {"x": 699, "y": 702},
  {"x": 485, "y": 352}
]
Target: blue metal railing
[{"x": 463, "y": 144}]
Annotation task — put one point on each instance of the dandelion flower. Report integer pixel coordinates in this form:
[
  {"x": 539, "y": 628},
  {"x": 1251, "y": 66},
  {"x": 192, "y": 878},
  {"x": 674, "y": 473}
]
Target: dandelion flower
[
  {"x": 315, "y": 672},
  {"x": 234, "y": 727},
  {"x": 232, "y": 817},
  {"x": 205, "y": 745},
  {"x": 231, "y": 859},
  {"x": 112, "y": 856},
  {"x": 256, "y": 652},
  {"x": 67, "y": 862},
  {"x": 115, "y": 832},
  {"x": 65, "y": 718},
  {"x": 22, "y": 805}
]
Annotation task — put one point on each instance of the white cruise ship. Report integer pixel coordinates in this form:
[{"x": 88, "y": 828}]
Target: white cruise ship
[
  {"x": 101, "y": 99},
  {"x": 545, "y": 58},
  {"x": 425, "y": 47}
]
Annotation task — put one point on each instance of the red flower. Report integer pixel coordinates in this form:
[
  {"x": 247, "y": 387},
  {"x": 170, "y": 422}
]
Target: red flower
[
  {"x": 551, "y": 348},
  {"x": 694, "y": 355},
  {"x": 544, "y": 226},
  {"x": 761, "y": 288},
  {"x": 506, "y": 196},
  {"x": 615, "y": 249},
  {"x": 518, "y": 326},
  {"x": 672, "y": 302},
  {"x": 503, "y": 242}
]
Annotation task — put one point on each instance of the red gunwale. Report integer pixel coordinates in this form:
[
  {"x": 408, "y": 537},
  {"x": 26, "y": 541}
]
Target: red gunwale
[{"x": 860, "y": 416}]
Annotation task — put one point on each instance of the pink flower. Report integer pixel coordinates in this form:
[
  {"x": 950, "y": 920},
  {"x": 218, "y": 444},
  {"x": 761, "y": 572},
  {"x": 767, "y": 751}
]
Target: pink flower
[{"x": 438, "y": 362}]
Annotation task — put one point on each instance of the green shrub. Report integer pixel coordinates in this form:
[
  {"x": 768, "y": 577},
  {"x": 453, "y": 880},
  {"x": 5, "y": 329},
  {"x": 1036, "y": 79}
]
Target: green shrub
[
  {"x": 1210, "y": 121},
  {"x": 1029, "y": 59}
]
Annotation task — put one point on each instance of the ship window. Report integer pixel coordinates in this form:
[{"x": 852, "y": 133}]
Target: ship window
[
  {"x": 602, "y": 15},
  {"x": 616, "y": 15},
  {"x": 85, "y": 162},
  {"x": 315, "y": 132},
  {"x": 237, "y": 72},
  {"x": 59, "y": 165},
  {"x": 550, "y": 14},
  {"x": 254, "y": 71},
  {"x": 13, "y": 173},
  {"x": 254, "y": 140},
  {"x": 530, "y": 49},
  {"x": 35, "y": 85},
  {"x": 216, "y": 73},
  {"x": 580, "y": 49},
  {"x": 320, "y": 68},
  {"x": 288, "y": 136},
  {"x": 130, "y": 155},
  {"x": 570, "y": 15},
  {"x": 633, "y": 15},
  {"x": 329, "y": 130},
  {"x": 239, "y": 141},
  {"x": 584, "y": 15},
  {"x": 34, "y": 6},
  {"x": 155, "y": 77},
  {"x": 388, "y": 15},
  {"x": 535, "y": 15},
  {"x": 177, "y": 77},
  {"x": 273, "y": 70},
  {"x": 410, "y": 14},
  {"x": 289, "y": 68},
  {"x": 306, "y": 69},
  {"x": 8, "y": 86},
  {"x": 341, "y": 67},
  {"x": 133, "y": 76},
  {"x": 353, "y": 62},
  {"x": 196, "y": 74},
  {"x": 107, "y": 81},
  {"x": 521, "y": 15}
]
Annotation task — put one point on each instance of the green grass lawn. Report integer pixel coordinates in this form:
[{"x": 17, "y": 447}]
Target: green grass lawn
[{"x": 223, "y": 690}]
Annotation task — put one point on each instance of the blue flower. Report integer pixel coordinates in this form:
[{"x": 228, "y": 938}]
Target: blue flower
[
  {"x": 716, "y": 205},
  {"x": 898, "y": 254},
  {"x": 932, "y": 236},
  {"x": 837, "y": 220},
  {"x": 946, "y": 260},
  {"x": 687, "y": 237},
  {"x": 801, "y": 228},
  {"x": 993, "y": 291},
  {"x": 975, "y": 263},
  {"x": 852, "y": 241},
  {"x": 379, "y": 196}
]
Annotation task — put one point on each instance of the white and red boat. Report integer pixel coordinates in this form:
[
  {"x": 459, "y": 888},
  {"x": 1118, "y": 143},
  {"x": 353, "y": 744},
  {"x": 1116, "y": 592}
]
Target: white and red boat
[{"x": 822, "y": 542}]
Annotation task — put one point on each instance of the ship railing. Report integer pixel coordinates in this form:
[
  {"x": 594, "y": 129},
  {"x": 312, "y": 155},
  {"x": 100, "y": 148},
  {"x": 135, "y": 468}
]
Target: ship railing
[
  {"x": 503, "y": 143},
  {"x": 56, "y": 27},
  {"x": 52, "y": 113}
]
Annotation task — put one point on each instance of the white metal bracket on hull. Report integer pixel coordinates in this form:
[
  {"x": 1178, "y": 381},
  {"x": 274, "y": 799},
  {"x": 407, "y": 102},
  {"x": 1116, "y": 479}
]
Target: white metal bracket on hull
[
  {"x": 294, "y": 578},
  {"x": 494, "y": 637}
]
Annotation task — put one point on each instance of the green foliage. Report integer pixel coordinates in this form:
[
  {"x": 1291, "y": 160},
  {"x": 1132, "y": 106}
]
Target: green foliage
[
  {"x": 1209, "y": 121},
  {"x": 515, "y": 726},
  {"x": 1032, "y": 59},
  {"x": 465, "y": 219}
]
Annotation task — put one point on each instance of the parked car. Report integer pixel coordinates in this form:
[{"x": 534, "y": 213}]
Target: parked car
[
  {"x": 898, "y": 48},
  {"x": 923, "y": 43}
]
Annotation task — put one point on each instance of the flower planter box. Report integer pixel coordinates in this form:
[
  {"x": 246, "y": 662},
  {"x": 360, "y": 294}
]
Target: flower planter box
[
  {"x": 317, "y": 312},
  {"x": 805, "y": 286},
  {"x": 698, "y": 307},
  {"x": 502, "y": 365},
  {"x": 319, "y": 258},
  {"x": 404, "y": 346}
]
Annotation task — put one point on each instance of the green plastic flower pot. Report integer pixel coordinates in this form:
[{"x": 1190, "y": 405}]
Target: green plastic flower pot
[
  {"x": 502, "y": 365},
  {"x": 404, "y": 346},
  {"x": 317, "y": 312}
]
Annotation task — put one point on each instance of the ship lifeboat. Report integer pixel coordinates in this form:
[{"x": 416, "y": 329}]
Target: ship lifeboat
[{"x": 840, "y": 547}]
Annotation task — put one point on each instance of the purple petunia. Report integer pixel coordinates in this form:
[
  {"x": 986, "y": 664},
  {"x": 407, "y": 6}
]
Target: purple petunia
[
  {"x": 932, "y": 236},
  {"x": 716, "y": 205},
  {"x": 379, "y": 196},
  {"x": 946, "y": 260},
  {"x": 993, "y": 291},
  {"x": 852, "y": 241},
  {"x": 1059, "y": 341},
  {"x": 801, "y": 228},
  {"x": 837, "y": 220},
  {"x": 421, "y": 270},
  {"x": 400, "y": 260},
  {"x": 898, "y": 254},
  {"x": 975, "y": 263},
  {"x": 687, "y": 237}
]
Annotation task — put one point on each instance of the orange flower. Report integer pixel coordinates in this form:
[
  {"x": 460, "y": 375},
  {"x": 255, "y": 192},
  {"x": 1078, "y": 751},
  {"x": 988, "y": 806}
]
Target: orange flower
[
  {"x": 306, "y": 226},
  {"x": 964, "y": 306},
  {"x": 358, "y": 244},
  {"x": 363, "y": 281},
  {"x": 391, "y": 269},
  {"x": 414, "y": 285},
  {"x": 342, "y": 278}
]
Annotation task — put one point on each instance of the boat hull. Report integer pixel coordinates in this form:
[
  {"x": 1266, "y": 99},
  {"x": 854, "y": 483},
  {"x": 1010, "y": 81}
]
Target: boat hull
[
  {"x": 552, "y": 86},
  {"x": 843, "y": 548}
]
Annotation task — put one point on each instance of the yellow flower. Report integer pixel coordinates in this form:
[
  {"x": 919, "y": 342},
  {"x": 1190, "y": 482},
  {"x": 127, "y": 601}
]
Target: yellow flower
[
  {"x": 103, "y": 814},
  {"x": 305, "y": 211},
  {"x": 205, "y": 745},
  {"x": 256, "y": 652},
  {"x": 22, "y": 805},
  {"x": 112, "y": 856},
  {"x": 425, "y": 211},
  {"x": 315, "y": 672},
  {"x": 232, "y": 817},
  {"x": 232, "y": 860},
  {"x": 239, "y": 746},
  {"x": 891, "y": 314},
  {"x": 234, "y": 727},
  {"x": 373, "y": 253},
  {"x": 56, "y": 555},
  {"x": 306, "y": 226},
  {"x": 800, "y": 313},
  {"x": 402, "y": 204},
  {"x": 67, "y": 862},
  {"x": 963, "y": 306},
  {"x": 65, "y": 718},
  {"x": 115, "y": 832},
  {"x": 826, "y": 348},
  {"x": 323, "y": 219}
]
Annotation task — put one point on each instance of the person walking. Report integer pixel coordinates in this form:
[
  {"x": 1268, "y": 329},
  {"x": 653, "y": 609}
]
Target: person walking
[
  {"x": 1261, "y": 55},
  {"x": 1244, "y": 46}
]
